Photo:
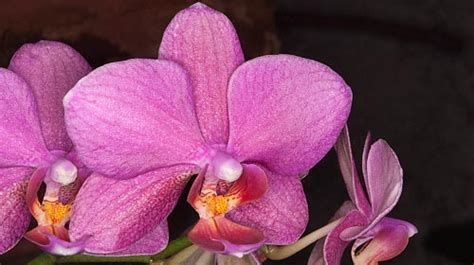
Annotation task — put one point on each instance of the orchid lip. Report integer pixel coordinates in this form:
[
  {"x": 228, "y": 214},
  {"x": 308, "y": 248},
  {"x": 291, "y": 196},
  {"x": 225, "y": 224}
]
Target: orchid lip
[
  {"x": 54, "y": 210},
  {"x": 55, "y": 244},
  {"x": 213, "y": 198}
]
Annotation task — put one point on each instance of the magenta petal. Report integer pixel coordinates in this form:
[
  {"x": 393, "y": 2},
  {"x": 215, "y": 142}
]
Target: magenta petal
[
  {"x": 151, "y": 243},
  {"x": 388, "y": 240},
  {"x": 14, "y": 214},
  {"x": 220, "y": 235},
  {"x": 205, "y": 43},
  {"x": 317, "y": 254},
  {"x": 51, "y": 69},
  {"x": 20, "y": 132},
  {"x": 130, "y": 117},
  {"x": 281, "y": 214},
  {"x": 334, "y": 246},
  {"x": 349, "y": 172},
  {"x": 285, "y": 112},
  {"x": 115, "y": 214},
  {"x": 42, "y": 237},
  {"x": 384, "y": 179}
]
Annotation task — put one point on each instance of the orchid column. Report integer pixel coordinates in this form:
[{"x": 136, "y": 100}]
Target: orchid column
[{"x": 247, "y": 128}]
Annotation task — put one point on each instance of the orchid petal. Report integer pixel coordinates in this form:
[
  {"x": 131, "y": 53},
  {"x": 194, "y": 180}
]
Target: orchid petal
[
  {"x": 389, "y": 239},
  {"x": 365, "y": 155},
  {"x": 251, "y": 186},
  {"x": 151, "y": 243},
  {"x": 349, "y": 172},
  {"x": 20, "y": 132},
  {"x": 384, "y": 179},
  {"x": 281, "y": 214},
  {"x": 14, "y": 215},
  {"x": 131, "y": 117},
  {"x": 51, "y": 69},
  {"x": 220, "y": 235},
  {"x": 317, "y": 254},
  {"x": 114, "y": 214},
  {"x": 205, "y": 43},
  {"x": 334, "y": 245},
  {"x": 285, "y": 112},
  {"x": 57, "y": 243}
]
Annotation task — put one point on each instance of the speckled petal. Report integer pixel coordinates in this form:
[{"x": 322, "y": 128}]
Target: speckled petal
[
  {"x": 349, "y": 172},
  {"x": 285, "y": 112},
  {"x": 114, "y": 214},
  {"x": 20, "y": 132},
  {"x": 317, "y": 254},
  {"x": 51, "y": 69},
  {"x": 334, "y": 246},
  {"x": 384, "y": 179},
  {"x": 130, "y": 117},
  {"x": 14, "y": 214},
  {"x": 205, "y": 43},
  {"x": 151, "y": 243},
  {"x": 281, "y": 214}
]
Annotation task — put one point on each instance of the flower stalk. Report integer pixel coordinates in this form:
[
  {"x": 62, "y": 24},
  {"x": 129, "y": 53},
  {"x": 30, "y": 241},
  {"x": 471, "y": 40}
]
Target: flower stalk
[{"x": 283, "y": 252}]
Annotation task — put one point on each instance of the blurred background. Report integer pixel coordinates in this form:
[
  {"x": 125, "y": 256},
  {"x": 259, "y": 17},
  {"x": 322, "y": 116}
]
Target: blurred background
[{"x": 409, "y": 63}]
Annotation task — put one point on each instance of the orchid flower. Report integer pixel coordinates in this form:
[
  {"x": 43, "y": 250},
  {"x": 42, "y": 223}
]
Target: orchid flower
[
  {"x": 35, "y": 147},
  {"x": 377, "y": 237},
  {"x": 248, "y": 129}
]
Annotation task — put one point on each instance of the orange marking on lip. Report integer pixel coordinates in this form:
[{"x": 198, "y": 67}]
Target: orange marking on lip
[{"x": 56, "y": 211}]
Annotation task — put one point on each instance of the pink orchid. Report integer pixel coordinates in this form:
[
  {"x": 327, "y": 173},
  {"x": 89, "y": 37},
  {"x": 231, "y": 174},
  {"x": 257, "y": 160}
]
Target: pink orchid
[
  {"x": 377, "y": 237},
  {"x": 35, "y": 147},
  {"x": 248, "y": 128}
]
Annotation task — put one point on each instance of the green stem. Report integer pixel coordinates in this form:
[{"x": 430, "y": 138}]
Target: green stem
[
  {"x": 43, "y": 259},
  {"x": 279, "y": 253},
  {"x": 173, "y": 247}
]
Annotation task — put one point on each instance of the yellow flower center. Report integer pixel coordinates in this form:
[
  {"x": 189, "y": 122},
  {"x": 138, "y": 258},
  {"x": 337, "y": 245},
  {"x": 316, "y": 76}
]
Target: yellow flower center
[{"x": 56, "y": 211}]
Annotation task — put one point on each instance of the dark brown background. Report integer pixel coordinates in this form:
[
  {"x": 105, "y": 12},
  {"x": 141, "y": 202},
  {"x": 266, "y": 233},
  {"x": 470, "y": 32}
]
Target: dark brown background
[{"x": 409, "y": 63}]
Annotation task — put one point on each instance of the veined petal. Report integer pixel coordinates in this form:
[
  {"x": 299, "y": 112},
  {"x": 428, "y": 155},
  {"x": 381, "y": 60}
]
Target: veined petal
[
  {"x": 349, "y": 172},
  {"x": 388, "y": 240},
  {"x": 151, "y": 243},
  {"x": 205, "y": 43},
  {"x": 14, "y": 215},
  {"x": 317, "y": 254},
  {"x": 114, "y": 214},
  {"x": 221, "y": 235},
  {"x": 20, "y": 132},
  {"x": 384, "y": 179},
  {"x": 127, "y": 118},
  {"x": 285, "y": 112},
  {"x": 51, "y": 69},
  {"x": 281, "y": 214},
  {"x": 334, "y": 245}
]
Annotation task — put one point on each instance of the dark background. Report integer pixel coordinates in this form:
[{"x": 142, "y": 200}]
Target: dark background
[{"x": 409, "y": 63}]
